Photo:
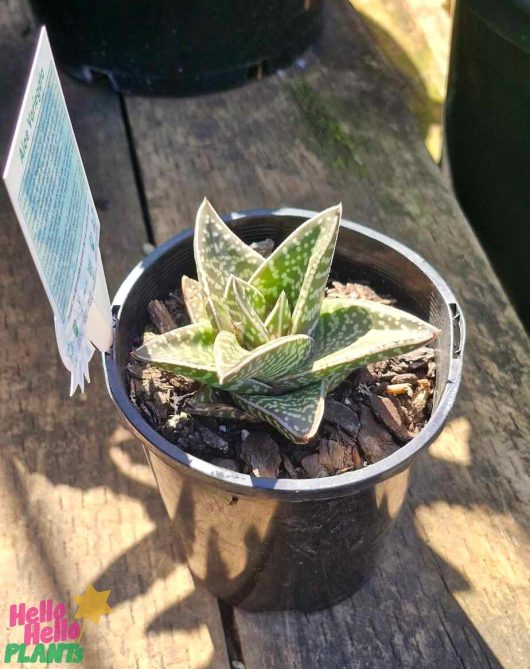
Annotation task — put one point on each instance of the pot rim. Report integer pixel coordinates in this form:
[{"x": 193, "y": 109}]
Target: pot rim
[{"x": 290, "y": 489}]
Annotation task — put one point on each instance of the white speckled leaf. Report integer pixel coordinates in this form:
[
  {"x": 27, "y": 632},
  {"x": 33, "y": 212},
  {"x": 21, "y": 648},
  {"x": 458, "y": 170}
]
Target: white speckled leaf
[
  {"x": 278, "y": 322},
  {"x": 265, "y": 363},
  {"x": 247, "y": 387},
  {"x": 296, "y": 415},
  {"x": 353, "y": 333},
  {"x": 285, "y": 269},
  {"x": 187, "y": 351},
  {"x": 246, "y": 323},
  {"x": 193, "y": 299},
  {"x": 207, "y": 403},
  {"x": 306, "y": 310},
  {"x": 248, "y": 294},
  {"x": 218, "y": 254}
]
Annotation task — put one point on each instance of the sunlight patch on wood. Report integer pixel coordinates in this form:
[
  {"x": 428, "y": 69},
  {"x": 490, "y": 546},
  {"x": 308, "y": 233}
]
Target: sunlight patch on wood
[
  {"x": 481, "y": 552},
  {"x": 134, "y": 470},
  {"x": 134, "y": 558},
  {"x": 453, "y": 444},
  {"x": 414, "y": 36}
]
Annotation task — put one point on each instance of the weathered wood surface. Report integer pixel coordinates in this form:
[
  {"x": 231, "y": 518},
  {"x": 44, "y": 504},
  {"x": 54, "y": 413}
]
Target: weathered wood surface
[
  {"x": 452, "y": 590},
  {"x": 78, "y": 504}
]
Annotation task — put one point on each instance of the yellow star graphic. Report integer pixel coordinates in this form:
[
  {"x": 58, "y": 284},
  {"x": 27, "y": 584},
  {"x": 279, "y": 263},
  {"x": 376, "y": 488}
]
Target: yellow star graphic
[{"x": 92, "y": 604}]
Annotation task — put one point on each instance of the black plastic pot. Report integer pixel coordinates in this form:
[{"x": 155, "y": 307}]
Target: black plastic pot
[
  {"x": 265, "y": 544},
  {"x": 177, "y": 47},
  {"x": 487, "y": 133}
]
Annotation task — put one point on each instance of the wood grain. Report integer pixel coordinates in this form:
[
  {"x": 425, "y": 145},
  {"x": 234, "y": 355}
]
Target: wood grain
[
  {"x": 452, "y": 590},
  {"x": 78, "y": 504}
]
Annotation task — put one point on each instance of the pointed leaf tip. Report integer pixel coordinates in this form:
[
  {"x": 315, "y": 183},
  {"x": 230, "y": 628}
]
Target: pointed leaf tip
[
  {"x": 219, "y": 253},
  {"x": 187, "y": 351},
  {"x": 300, "y": 266}
]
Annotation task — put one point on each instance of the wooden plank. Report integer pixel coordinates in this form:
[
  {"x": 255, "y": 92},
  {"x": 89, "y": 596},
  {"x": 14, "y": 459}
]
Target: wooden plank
[
  {"x": 340, "y": 131},
  {"x": 79, "y": 505}
]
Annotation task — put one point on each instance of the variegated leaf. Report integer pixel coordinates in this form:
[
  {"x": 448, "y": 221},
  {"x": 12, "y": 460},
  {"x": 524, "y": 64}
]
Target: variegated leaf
[
  {"x": 187, "y": 351},
  {"x": 306, "y": 311},
  {"x": 207, "y": 403},
  {"x": 285, "y": 269},
  {"x": 296, "y": 415},
  {"x": 218, "y": 254},
  {"x": 278, "y": 322},
  {"x": 247, "y": 387},
  {"x": 270, "y": 361},
  {"x": 353, "y": 333},
  {"x": 246, "y": 323},
  {"x": 193, "y": 299},
  {"x": 248, "y": 294}
]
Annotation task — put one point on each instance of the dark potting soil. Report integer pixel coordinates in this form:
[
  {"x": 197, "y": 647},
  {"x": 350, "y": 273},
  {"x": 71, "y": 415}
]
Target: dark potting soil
[{"x": 374, "y": 412}]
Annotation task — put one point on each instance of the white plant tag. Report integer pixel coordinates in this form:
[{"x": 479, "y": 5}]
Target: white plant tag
[{"x": 48, "y": 187}]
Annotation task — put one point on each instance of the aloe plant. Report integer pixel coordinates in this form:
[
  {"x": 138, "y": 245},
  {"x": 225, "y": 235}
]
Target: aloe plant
[{"x": 264, "y": 341}]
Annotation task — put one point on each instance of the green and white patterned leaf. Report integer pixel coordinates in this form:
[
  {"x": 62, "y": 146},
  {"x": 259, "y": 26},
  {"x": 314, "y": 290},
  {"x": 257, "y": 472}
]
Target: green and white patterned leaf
[
  {"x": 207, "y": 403},
  {"x": 187, "y": 351},
  {"x": 278, "y": 322},
  {"x": 193, "y": 299},
  {"x": 353, "y": 333},
  {"x": 296, "y": 415},
  {"x": 246, "y": 323},
  {"x": 218, "y": 254},
  {"x": 306, "y": 310},
  {"x": 286, "y": 267},
  {"x": 247, "y": 387},
  {"x": 248, "y": 293},
  {"x": 265, "y": 363}
]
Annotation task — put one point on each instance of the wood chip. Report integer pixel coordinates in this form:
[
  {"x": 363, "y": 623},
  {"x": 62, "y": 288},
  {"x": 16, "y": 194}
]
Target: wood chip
[
  {"x": 419, "y": 400},
  {"x": 311, "y": 464},
  {"x": 374, "y": 441},
  {"x": 265, "y": 247},
  {"x": 365, "y": 376},
  {"x": 404, "y": 378},
  {"x": 212, "y": 439},
  {"x": 289, "y": 467},
  {"x": 262, "y": 454},
  {"x": 356, "y": 291},
  {"x": 160, "y": 316},
  {"x": 342, "y": 416},
  {"x": 334, "y": 456},
  {"x": 399, "y": 389},
  {"x": 388, "y": 413}
]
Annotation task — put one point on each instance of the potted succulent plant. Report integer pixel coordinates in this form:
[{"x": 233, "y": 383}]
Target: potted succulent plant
[{"x": 266, "y": 347}]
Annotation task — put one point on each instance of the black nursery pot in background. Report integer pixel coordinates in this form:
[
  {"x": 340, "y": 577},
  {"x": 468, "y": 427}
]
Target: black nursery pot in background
[
  {"x": 487, "y": 133},
  {"x": 265, "y": 544},
  {"x": 177, "y": 47}
]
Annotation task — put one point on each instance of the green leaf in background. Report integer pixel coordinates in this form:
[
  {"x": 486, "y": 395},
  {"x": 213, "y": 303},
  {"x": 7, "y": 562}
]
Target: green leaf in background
[
  {"x": 193, "y": 299},
  {"x": 206, "y": 403}
]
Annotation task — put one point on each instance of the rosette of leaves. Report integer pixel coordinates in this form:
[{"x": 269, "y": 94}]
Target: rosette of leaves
[{"x": 264, "y": 341}]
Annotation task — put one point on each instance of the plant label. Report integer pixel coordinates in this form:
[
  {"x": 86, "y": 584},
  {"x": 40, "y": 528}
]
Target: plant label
[{"x": 48, "y": 187}]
